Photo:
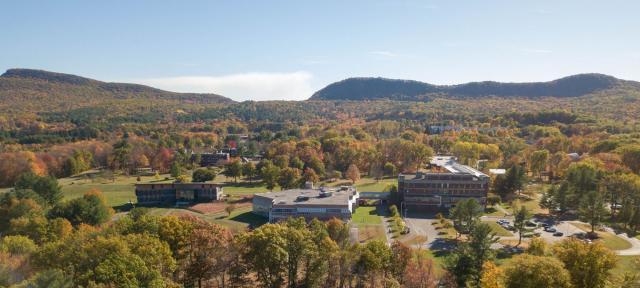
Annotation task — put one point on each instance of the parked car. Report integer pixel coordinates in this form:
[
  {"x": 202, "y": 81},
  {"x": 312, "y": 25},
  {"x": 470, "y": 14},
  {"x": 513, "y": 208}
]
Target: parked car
[
  {"x": 558, "y": 234},
  {"x": 531, "y": 224},
  {"x": 550, "y": 229}
]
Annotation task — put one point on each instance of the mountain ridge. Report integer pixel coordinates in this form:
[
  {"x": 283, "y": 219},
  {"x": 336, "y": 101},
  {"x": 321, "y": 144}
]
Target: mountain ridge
[
  {"x": 32, "y": 84},
  {"x": 378, "y": 88}
]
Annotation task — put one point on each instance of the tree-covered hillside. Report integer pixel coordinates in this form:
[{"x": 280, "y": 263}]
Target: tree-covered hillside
[{"x": 382, "y": 88}]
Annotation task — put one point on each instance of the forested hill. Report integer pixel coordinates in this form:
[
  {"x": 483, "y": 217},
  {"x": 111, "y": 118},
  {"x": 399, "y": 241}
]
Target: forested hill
[
  {"x": 20, "y": 87},
  {"x": 393, "y": 89}
]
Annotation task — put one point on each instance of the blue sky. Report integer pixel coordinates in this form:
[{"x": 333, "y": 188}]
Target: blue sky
[{"x": 288, "y": 49}]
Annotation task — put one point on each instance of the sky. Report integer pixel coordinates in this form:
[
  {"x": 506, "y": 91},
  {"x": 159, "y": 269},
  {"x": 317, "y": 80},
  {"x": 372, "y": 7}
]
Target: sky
[{"x": 268, "y": 50}]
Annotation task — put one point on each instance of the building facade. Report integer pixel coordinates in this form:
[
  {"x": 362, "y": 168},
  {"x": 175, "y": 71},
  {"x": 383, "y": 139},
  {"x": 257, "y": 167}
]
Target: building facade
[
  {"x": 310, "y": 203},
  {"x": 177, "y": 193},
  {"x": 445, "y": 183},
  {"x": 213, "y": 159}
]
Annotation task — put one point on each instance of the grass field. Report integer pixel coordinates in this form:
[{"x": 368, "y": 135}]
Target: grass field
[
  {"x": 498, "y": 229},
  {"x": 626, "y": 264},
  {"x": 367, "y": 232},
  {"x": 117, "y": 191},
  {"x": 366, "y": 215},
  {"x": 239, "y": 220},
  {"x": 609, "y": 240}
]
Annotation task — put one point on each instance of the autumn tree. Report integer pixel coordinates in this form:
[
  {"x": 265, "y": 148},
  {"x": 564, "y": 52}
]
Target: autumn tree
[
  {"x": 631, "y": 157},
  {"x": 592, "y": 209},
  {"x": 390, "y": 169},
  {"x": 420, "y": 272},
  {"x": 249, "y": 170},
  {"x": 353, "y": 173},
  {"x": 90, "y": 209},
  {"x": 310, "y": 175},
  {"x": 492, "y": 276},
  {"x": 46, "y": 187},
  {"x": 289, "y": 178},
  {"x": 176, "y": 169},
  {"x": 466, "y": 261},
  {"x": 589, "y": 264},
  {"x": 270, "y": 174},
  {"x": 203, "y": 175},
  {"x": 538, "y": 161},
  {"x": 207, "y": 253},
  {"x": 466, "y": 214},
  {"x": 529, "y": 271},
  {"x": 537, "y": 247},
  {"x": 521, "y": 216},
  {"x": 233, "y": 169}
]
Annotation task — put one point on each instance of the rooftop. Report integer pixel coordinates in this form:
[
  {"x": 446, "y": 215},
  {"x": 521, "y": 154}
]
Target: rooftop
[
  {"x": 322, "y": 196},
  {"x": 450, "y": 164}
]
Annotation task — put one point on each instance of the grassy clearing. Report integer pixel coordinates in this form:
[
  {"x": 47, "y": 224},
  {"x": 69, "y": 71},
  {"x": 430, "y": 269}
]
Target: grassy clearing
[
  {"x": 365, "y": 184},
  {"x": 239, "y": 220},
  {"x": 412, "y": 239},
  {"x": 496, "y": 228},
  {"x": 493, "y": 211},
  {"x": 117, "y": 191},
  {"x": 608, "y": 239},
  {"x": 626, "y": 264},
  {"x": 366, "y": 215},
  {"x": 244, "y": 188},
  {"x": 369, "y": 232}
]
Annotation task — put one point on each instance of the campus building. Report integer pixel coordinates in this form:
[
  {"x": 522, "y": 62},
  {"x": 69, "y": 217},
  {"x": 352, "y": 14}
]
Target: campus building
[
  {"x": 443, "y": 184},
  {"x": 177, "y": 193},
  {"x": 213, "y": 159},
  {"x": 310, "y": 203}
]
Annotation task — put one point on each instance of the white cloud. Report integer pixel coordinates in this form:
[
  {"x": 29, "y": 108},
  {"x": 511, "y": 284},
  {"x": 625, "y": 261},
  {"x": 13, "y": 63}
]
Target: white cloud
[
  {"x": 256, "y": 86},
  {"x": 384, "y": 53}
]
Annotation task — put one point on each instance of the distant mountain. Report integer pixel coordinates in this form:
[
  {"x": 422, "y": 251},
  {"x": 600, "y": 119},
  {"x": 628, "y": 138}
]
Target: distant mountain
[
  {"x": 37, "y": 88},
  {"x": 392, "y": 89}
]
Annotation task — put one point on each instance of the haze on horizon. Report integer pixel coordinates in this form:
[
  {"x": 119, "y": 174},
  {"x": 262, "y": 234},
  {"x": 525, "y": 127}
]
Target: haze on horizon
[{"x": 287, "y": 49}]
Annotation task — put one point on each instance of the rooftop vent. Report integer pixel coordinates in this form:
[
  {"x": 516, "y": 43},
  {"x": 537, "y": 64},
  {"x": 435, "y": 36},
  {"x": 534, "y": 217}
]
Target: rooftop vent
[{"x": 324, "y": 194}]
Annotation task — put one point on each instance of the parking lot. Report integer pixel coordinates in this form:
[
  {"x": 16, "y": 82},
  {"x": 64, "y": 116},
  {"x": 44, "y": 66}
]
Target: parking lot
[{"x": 422, "y": 225}]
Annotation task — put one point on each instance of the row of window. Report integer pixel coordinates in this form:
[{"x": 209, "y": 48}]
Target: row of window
[
  {"x": 427, "y": 192},
  {"x": 444, "y": 185}
]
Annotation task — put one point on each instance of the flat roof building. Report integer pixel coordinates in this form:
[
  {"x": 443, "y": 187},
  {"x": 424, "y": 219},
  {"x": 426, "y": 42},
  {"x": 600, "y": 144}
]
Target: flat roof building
[
  {"x": 445, "y": 183},
  {"x": 323, "y": 203},
  {"x": 177, "y": 193}
]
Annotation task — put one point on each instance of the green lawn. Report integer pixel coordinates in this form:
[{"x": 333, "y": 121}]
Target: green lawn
[
  {"x": 239, "y": 220},
  {"x": 245, "y": 188},
  {"x": 366, "y": 215},
  {"x": 493, "y": 211},
  {"x": 371, "y": 185},
  {"x": 365, "y": 184},
  {"x": 609, "y": 240},
  {"x": 496, "y": 228}
]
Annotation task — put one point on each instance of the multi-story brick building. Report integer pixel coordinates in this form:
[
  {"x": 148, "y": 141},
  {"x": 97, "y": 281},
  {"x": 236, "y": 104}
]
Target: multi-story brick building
[
  {"x": 445, "y": 183},
  {"x": 177, "y": 193},
  {"x": 323, "y": 203}
]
